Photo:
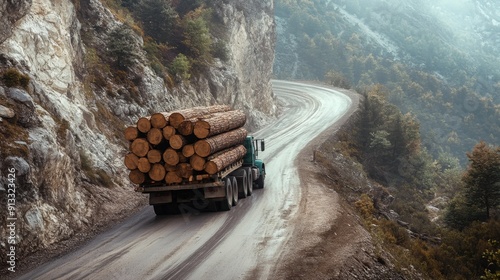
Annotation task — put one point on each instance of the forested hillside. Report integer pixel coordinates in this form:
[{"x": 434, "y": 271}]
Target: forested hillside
[
  {"x": 428, "y": 131},
  {"x": 437, "y": 59}
]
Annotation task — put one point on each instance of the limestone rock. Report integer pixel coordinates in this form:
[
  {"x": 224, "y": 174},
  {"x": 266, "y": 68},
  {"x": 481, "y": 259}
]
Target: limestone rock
[
  {"x": 21, "y": 96},
  {"x": 6, "y": 112}
]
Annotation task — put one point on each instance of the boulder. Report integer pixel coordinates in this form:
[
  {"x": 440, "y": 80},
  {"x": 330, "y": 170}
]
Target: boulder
[
  {"x": 6, "y": 112},
  {"x": 21, "y": 96}
]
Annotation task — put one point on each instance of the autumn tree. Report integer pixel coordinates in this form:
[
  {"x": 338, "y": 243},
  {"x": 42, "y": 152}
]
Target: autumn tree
[{"x": 482, "y": 178}]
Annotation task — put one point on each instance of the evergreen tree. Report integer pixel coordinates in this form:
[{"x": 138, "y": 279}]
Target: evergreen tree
[
  {"x": 122, "y": 48},
  {"x": 482, "y": 178},
  {"x": 159, "y": 19}
]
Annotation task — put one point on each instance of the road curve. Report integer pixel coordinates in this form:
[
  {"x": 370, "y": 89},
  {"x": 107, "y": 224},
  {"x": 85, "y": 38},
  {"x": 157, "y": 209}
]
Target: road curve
[{"x": 242, "y": 243}]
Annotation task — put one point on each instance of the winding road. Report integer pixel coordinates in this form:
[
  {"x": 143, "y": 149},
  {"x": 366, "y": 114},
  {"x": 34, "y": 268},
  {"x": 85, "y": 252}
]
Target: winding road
[{"x": 242, "y": 243}]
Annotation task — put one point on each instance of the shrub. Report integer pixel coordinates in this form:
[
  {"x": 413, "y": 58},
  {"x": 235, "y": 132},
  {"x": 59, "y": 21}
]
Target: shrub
[
  {"x": 13, "y": 78},
  {"x": 181, "y": 67}
]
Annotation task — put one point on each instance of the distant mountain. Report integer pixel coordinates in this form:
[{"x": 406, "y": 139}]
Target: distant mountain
[{"x": 438, "y": 59}]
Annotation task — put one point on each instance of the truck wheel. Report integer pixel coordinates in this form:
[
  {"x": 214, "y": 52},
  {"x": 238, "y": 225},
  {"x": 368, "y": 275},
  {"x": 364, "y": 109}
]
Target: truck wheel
[
  {"x": 161, "y": 209},
  {"x": 227, "y": 203},
  {"x": 260, "y": 181},
  {"x": 249, "y": 181},
  {"x": 243, "y": 184},
  {"x": 234, "y": 182}
]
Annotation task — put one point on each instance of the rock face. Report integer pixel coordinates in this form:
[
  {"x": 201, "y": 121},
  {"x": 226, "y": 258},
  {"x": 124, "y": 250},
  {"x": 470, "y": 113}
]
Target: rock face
[{"x": 64, "y": 140}]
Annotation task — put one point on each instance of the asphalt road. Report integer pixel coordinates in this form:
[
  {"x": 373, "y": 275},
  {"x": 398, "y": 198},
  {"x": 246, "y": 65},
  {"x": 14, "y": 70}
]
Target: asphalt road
[{"x": 245, "y": 242}]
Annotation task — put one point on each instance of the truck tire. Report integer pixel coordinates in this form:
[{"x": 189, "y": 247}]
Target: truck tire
[
  {"x": 260, "y": 181},
  {"x": 236, "y": 195},
  {"x": 166, "y": 209},
  {"x": 249, "y": 181},
  {"x": 243, "y": 184},
  {"x": 227, "y": 202}
]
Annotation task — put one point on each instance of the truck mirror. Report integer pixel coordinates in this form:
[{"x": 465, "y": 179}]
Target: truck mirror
[{"x": 262, "y": 145}]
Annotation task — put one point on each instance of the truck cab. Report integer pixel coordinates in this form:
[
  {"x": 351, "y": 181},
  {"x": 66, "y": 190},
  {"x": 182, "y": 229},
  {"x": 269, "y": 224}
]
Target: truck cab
[{"x": 250, "y": 160}]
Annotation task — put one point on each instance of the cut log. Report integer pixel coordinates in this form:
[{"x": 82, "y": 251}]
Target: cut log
[
  {"x": 154, "y": 156},
  {"x": 208, "y": 146},
  {"x": 143, "y": 124},
  {"x": 131, "y": 133},
  {"x": 182, "y": 158},
  {"x": 177, "y": 117},
  {"x": 140, "y": 147},
  {"x": 218, "y": 123},
  {"x": 173, "y": 178},
  {"x": 159, "y": 120},
  {"x": 168, "y": 132},
  {"x": 225, "y": 159},
  {"x": 188, "y": 150},
  {"x": 197, "y": 162},
  {"x": 137, "y": 177},
  {"x": 185, "y": 170},
  {"x": 157, "y": 172},
  {"x": 171, "y": 157},
  {"x": 155, "y": 136},
  {"x": 177, "y": 141},
  {"x": 131, "y": 161},
  {"x": 187, "y": 126},
  {"x": 143, "y": 165}
]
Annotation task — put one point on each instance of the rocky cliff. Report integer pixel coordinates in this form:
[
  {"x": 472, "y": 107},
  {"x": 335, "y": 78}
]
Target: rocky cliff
[{"x": 61, "y": 113}]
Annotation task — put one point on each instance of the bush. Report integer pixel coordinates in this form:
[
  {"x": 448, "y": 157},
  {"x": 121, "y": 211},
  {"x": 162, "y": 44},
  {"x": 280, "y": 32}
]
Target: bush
[
  {"x": 13, "y": 78},
  {"x": 181, "y": 67}
]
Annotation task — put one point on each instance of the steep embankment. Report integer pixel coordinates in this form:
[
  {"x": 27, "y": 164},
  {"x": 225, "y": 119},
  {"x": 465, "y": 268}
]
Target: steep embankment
[{"x": 62, "y": 117}]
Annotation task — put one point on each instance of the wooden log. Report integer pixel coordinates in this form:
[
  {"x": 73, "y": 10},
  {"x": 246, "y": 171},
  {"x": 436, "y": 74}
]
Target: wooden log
[
  {"x": 136, "y": 176},
  {"x": 131, "y": 133},
  {"x": 143, "y": 124},
  {"x": 159, "y": 120},
  {"x": 154, "y": 156},
  {"x": 182, "y": 158},
  {"x": 157, "y": 172},
  {"x": 187, "y": 127},
  {"x": 188, "y": 150},
  {"x": 177, "y": 141},
  {"x": 218, "y": 123},
  {"x": 197, "y": 162},
  {"x": 173, "y": 178},
  {"x": 208, "y": 146},
  {"x": 168, "y": 132},
  {"x": 143, "y": 165},
  {"x": 155, "y": 136},
  {"x": 131, "y": 161},
  {"x": 171, "y": 157},
  {"x": 177, "y": 117},
  {"x": 225, "y": 159},
  {"x": 140, "y": 147},
  {"x": 185, "y": 170}
]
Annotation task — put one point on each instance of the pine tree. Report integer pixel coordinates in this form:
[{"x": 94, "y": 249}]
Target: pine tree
[{"x": 482, "y": 178}]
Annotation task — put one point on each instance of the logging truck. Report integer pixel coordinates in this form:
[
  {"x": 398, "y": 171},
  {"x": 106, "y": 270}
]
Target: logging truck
[{"x": 221, "y": 188}]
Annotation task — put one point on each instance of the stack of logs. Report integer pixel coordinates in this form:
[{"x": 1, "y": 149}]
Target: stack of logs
[{"x": 186, "y": 145}]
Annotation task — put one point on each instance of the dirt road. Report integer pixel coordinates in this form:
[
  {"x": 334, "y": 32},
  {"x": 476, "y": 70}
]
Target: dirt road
[{"x": 246, "y": 242}]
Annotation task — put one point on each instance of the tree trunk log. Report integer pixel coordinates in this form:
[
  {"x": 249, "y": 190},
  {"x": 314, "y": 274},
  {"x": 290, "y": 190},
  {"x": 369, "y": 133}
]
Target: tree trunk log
[
  {"x": 187, "y": 126},
  {"x": 137, "y": 177},
  {"x": 171, "y": 157},
  {"x": 157, "y": 172},
  {"x": 177, "y": 117},
  {"x": 177, "y": 141},
  {"x": 218, "y": 123},
  {"x": 173, "y": 178},
  {"x": 159, "y": 120},
  {"x": 131, "y": 133},
  {"x": 143, "y": 165},
  {"x": 197, "y": 162},
  {"x": 225, "y": 159},
  {"x": 208, "y": 146},
  {"x": 155, "y": 136},
  {"x": 143, "y": 124},
  {"x": 168, "y": 132},
  {"x": 131, "y": 161},
  {"x": 154, "y": 156},
  {"x": 140, "y": 147},
  {"x": 188, "y": 150}
]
